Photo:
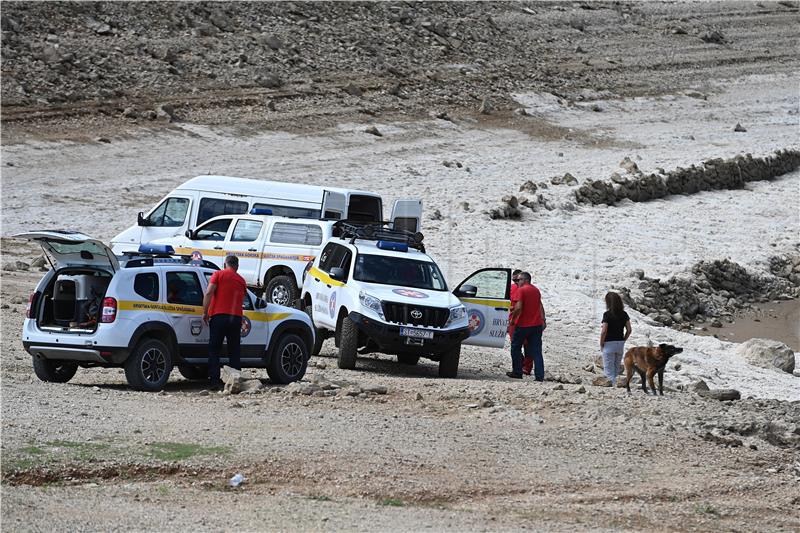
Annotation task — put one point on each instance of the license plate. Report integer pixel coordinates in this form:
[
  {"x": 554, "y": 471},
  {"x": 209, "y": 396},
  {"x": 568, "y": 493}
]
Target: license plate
[{"x": 416, "y": 333}]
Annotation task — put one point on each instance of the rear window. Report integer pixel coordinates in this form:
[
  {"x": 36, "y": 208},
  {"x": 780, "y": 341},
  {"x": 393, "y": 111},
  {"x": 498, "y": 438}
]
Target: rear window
[
  {"x": 75, "y": 248},
  {"x": 288, "y": 211},
  {"x": 214, "y": 207},
  {"x": 146, "y": 286},
  {"x": 305, "y": 234}
]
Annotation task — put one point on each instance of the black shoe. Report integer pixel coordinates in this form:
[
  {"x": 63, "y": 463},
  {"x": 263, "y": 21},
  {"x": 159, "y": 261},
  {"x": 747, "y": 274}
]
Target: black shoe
[{"x": 513, "y": 375}]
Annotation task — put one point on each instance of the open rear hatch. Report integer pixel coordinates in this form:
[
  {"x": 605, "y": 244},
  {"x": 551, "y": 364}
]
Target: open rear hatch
[
  {"x": 71, "y": 248},
  {"x": 72, "y": 300}
]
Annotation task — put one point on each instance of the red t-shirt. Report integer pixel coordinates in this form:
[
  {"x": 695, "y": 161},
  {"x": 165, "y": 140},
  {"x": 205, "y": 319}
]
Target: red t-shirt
[
  {"x": 228, "y": 298},
  {"x": 514, "y": 298},
  {"x": 531, "y": 314}
]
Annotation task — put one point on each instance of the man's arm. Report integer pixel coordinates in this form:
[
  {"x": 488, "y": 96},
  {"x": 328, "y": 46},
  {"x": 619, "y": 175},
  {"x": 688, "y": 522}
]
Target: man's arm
[
  {"x": 516, "y": 311},
  {"x": 544, "y": 321},
  {"x": 212, "y": 288}
]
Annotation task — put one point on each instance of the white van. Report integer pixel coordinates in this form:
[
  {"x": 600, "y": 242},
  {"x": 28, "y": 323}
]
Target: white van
[
  {"x": 205, "y": 197},
  {"x": 272, "y": 251}
]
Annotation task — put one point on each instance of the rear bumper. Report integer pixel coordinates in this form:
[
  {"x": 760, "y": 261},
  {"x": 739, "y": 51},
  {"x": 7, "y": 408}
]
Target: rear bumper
[
  {"x": 388, "y": 339},
  {"x": 78, "y": 354}
]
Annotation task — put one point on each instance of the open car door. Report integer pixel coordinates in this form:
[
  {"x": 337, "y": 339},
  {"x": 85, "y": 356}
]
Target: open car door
[
  {"x": 407, "y": 215},
  {"x": 486, "y": 293},
  {"x": 334, "y": 205},
  {"x": 70, "y": 248}
]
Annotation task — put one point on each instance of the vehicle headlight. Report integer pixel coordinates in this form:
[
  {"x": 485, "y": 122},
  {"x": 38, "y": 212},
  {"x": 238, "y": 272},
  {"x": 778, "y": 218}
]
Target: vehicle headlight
[
  {"x": 456, "y": 313},
  {"x": 372, "y": 303}
]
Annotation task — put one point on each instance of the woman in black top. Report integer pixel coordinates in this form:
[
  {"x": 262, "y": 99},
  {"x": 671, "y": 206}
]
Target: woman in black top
[{"x": 612, "y": 337}]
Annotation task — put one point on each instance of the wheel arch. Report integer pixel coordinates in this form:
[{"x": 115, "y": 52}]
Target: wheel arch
[
  {"x": 279, "y": 270},
  {"x": 156, "y": 330},
  {"x": 298, "y": 327}
]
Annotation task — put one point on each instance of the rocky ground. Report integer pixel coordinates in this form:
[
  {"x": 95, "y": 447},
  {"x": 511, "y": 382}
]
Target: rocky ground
[{"x": 106, "y": 107}]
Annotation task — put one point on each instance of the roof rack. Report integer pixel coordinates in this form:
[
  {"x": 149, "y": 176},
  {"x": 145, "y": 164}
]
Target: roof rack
[
  {"x": 145, "y": 260},
  {"x": 377, "y": 231}
]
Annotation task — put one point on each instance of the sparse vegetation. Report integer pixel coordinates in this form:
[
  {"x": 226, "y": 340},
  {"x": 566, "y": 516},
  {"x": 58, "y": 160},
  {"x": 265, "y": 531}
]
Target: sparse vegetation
[
  {"x": 706, "y": 508},
  {"x": 393, "y": 502}
]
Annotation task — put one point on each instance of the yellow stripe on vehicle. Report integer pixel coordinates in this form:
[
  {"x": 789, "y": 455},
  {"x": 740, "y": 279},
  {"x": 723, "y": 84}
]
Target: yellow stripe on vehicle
[
  {"x": 177, "y": 309},
  {"x": 488, "y": 303},
  {"x": 265, "y": 317},
  {"x": 324, "y": 278},
  {"x": 245, "y": 254},
  {"x": 129, "y": 305}
]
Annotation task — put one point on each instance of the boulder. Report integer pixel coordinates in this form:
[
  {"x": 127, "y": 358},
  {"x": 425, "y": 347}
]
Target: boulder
[
  {"x": 232, "y": 379},
  {"x": 721, "y": 394},
  {"x": 601, "y": 381},
  {"x": 767, "y": 353}
]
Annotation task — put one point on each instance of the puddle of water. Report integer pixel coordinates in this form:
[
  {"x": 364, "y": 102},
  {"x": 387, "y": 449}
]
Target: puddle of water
[{"x": 778, "y": 321}]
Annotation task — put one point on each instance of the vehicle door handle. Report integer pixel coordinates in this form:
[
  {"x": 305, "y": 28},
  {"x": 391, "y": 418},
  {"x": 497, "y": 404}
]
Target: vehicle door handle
[
  {"x": 176, "y": 316},
  {"x": 252, "y": 250},
  {"x": 317, "y": 279},
  {"x": 327, "y": 285},
  {"x": 501, "y": 309},
  {"x": 218, "y": 247}
]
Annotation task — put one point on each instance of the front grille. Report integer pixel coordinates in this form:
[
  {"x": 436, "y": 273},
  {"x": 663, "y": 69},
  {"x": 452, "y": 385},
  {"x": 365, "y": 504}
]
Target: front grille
[{"x": 403, "y": 314}]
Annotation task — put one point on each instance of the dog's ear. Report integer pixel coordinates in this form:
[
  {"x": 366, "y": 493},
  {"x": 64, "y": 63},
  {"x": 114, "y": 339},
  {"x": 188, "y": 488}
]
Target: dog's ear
[{"x": 663, "y": 346}]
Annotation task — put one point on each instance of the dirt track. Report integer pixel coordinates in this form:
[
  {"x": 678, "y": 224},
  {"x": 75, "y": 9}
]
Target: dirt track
[{"x": 476, "y": 453}]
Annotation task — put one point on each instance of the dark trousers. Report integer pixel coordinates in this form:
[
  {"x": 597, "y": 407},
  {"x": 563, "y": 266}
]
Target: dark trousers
[
  {"x": 223, "y": 327},
  {"x": 533, "y": 336}
]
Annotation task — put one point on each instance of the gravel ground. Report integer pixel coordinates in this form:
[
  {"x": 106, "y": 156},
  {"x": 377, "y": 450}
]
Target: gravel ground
[{"x": 476, "y": 453}]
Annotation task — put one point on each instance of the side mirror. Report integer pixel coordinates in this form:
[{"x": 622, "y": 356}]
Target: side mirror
[
  {"x": 470, "y": 291},
  {"x": 189, "y": 234},
  {"x": 140, "y": 220},
  {"x": 337, "y": 273},
  {"x": 260, "y": 303}
]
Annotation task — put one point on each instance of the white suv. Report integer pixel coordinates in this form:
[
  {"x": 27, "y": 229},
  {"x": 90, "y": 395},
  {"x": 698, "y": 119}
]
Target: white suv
[
  {"x": 143, "y": 312},
  {"x": 375, "y": 289}
]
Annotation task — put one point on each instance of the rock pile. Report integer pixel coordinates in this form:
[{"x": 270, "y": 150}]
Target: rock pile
[
  {"x": 713, "y": 174},
  {"x": 713, "y": 289},
  {"x": 776, "y": 424}
]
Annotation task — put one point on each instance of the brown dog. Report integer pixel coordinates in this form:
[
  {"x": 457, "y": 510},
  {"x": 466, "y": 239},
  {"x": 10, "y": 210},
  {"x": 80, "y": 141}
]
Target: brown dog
[{"x": 648, "y": 361}]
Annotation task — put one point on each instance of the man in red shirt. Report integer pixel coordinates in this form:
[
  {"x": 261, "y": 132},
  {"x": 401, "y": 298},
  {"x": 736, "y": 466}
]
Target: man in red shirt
[
  {"x": 223, "y": 304},
  {"x": 529, "y": 321},
  {"x": 527, "y": 361}
]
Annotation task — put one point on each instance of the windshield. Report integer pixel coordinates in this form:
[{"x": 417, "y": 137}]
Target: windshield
[{"x": 399, "y": 271}]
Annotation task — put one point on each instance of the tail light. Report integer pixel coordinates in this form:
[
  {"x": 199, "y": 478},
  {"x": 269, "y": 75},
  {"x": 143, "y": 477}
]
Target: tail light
[
  {"x": 30, "y": 311},
  {"x": 109, "y": 310}
]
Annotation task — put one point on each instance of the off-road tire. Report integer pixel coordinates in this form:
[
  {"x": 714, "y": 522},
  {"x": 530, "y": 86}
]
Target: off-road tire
[
  {"x": 148, "y": 366},
  {"x": 282, "y": 290},
  {"x": 348, "y": 344},
  {"x": 53, "y": 371},
  {"x": 407, "y": 359},
  {"x": 194, "y": 372},
  {"x": 319, "y": 334},
  {"x": 289, "y": 360},
  {"x": 448, "y": 364}
]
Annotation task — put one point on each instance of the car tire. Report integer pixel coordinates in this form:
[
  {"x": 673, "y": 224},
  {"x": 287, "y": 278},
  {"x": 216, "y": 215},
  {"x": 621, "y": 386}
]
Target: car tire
[
  {"x": 194, "y": 372},
  {"x": 407, "y": 359},
  {"x": 319, "y": 334},
  {"x": 289, "y": 360},
  {"x": 281, "y": 290},
  {"x": 348, "y": 344},
  {"x": 148, "y": 366},
  {"x": 53, "y": 371},
  {"x": 448, "y": 364}
]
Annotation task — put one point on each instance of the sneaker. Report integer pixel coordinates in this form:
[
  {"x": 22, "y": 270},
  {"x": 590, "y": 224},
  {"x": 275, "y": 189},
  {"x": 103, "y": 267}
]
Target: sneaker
[{"x": 513, "y": 375}]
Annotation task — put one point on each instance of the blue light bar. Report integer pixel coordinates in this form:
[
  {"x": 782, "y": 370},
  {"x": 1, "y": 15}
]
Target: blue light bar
[
  {"x": 260, "y": 211},
  {"x": 161, "y": 249},
  {"x": 393, "y": 246}
]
